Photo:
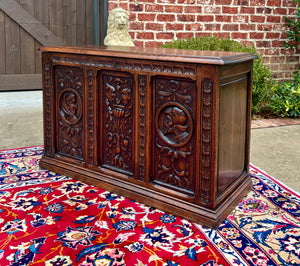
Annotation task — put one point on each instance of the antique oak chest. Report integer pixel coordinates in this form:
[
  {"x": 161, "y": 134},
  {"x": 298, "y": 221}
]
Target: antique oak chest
[{"x": 168, "y": 128}]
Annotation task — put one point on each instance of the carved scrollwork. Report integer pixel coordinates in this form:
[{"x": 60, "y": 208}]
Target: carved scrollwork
[
  {"x": 118, "y": 121},
  {"x": 174, "y": 166}
]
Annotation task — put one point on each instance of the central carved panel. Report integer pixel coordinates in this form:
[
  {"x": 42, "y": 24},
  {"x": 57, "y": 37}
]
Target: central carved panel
[
  {"x": 69, "y": 85},
  {"x": 173, "y": 138},
  {"x": 117, "y": 132}
]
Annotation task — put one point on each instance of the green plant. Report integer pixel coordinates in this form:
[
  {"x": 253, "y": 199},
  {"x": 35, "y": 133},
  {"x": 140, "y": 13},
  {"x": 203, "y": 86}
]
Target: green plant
[
  {"x": 286, "y": 97},
  {"x": 285, "y": 100},
  {"x": 262, "y": 79},
  {"x": 293, "y": 28}
]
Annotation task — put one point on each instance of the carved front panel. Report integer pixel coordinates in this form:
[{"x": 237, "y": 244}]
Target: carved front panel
[
  {"x": 117, "y": 122},
  {"x": 69, "y": 100},
  {"x": 174, "y": 140}
]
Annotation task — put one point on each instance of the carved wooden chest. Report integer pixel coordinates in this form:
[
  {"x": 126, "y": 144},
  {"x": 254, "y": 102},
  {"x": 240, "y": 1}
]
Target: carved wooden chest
[{"x": 168, "y": 128}]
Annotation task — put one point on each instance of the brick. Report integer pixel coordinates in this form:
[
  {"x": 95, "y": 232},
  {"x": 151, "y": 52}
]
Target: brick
[
  {"x": 174, "y": 26},
  {"x": 257, "y": 35},
  {"x": 240, "y": 2},
  {"x": 193, "y": 9},
  {"x": 136, "y": 7},
  {"x": 165, "y": 35},
  {"x": 146, "y": 17},
  {"x": 277, "y": 43},
  {"x": 292, "y": 59},
  {"x": 165, "y": 1},
  {"x": 223, "y": 18},
  {"x": 247, "y": 10},
  {"x": 174, "y": 9},
  {"x": 212, "y": 27},
  {"x": 239, "y": 35},
  {"x": 212, "y": 10},
  {"x": 257, "y": 19},
  {"x": 145, "y": 35},
  {"x": 241, "y": 18},
  {"x": 274, "y": 19},
  {"x": 205, "y": 18},
  {"x": 263, "y": 44},
  {"x": 153, "y": 44},
  {"x": 271, "y": 51},
  {"x": 279, "y": 11},
  {"x": 272, "y": 35},
  {"x": 204, "y": 2},
  {"x": 136, "y": 26},
  {"x": 263, "y": 10},
  {"x": 274, "y": 3},
  {"x": 223, "y": 2},
  {"x": 223, "y": 35},
  {"x": 139, "y": 43},
  {"x": 231, "y": 27},
  {"x": 154, "y": 8},
  {"x": 132, "y": 16},
  {"x": 193, "y": 27},
  {"x": 154, "y": 26},
  {"x": 186, "y": 18},
  {"x": 165, "y": 18},
  {"x": 229, "y": 10},
  {"x": 247, "y": 27},
  {"x": 264, "y": 27},
  {"x": 247, "y": 43},
  {"x": 257, "y": 2},
  {"x": 184, "y": 35},
  {"x": 186, "y": 1}
]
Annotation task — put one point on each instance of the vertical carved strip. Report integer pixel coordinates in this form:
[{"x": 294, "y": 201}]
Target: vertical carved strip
[
  {"x": 206, "y": 142},
  {"x": 47, "y": 109},
  {"x": 91, "y": 117},
  {"x": 142, "y": 91}
]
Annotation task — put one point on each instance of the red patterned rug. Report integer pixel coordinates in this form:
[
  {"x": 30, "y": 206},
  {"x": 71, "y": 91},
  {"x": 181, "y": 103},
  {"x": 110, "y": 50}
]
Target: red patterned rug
[{"x": 50, "y": 219}]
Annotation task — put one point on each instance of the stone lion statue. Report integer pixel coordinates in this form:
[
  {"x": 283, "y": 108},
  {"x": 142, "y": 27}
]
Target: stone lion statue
[{"x": 117, "y": 29}]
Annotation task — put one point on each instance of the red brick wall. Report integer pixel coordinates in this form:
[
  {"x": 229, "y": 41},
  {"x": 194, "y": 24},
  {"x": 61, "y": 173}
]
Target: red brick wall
[{"x": 258, "y": 22}]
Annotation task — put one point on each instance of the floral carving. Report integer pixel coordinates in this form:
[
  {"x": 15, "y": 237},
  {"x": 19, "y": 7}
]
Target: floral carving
[{"x": 118, "y": 122}]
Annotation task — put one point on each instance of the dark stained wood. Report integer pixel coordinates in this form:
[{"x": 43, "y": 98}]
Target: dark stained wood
[
  {"x": 29, "y": 23},
  {"x": 20, "y": 82},
  {"x": 168, "y": 128}
]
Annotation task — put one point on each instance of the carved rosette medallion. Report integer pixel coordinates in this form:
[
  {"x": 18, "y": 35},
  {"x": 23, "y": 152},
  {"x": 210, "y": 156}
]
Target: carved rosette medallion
[
  {"x": 69, "y": 83},
  {"x": 174, "y": 124},
  {"x": 173, "y": 157},
  {"x": 118, "y": 121}
]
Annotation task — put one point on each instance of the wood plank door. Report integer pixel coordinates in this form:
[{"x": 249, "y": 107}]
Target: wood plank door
[{"x": 26, "y": 25}]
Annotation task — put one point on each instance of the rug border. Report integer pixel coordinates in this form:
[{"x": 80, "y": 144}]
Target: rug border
[{"x": 274, "y": 179}]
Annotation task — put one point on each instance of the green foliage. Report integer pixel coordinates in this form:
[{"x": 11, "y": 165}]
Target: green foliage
[
  {"x": 293, "y": 26},
  {"x": 286, "y": 97},
  {"x": 262, "y": 80}
]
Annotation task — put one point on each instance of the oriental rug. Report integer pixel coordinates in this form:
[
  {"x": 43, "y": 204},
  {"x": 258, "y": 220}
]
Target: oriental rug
[{"x": 50, "y": 219}]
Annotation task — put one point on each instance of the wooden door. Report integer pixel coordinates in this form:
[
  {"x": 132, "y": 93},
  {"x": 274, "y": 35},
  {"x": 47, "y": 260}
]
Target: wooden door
[{"x": 26, "y": 25}]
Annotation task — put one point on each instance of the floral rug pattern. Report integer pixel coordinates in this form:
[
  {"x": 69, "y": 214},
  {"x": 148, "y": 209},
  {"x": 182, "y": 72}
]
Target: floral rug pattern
[{"x": 50, "y": 219}]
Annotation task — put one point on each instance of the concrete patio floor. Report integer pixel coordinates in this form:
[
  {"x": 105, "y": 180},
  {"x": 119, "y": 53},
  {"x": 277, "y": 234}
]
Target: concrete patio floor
[{"x": 275, "y": 146}]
